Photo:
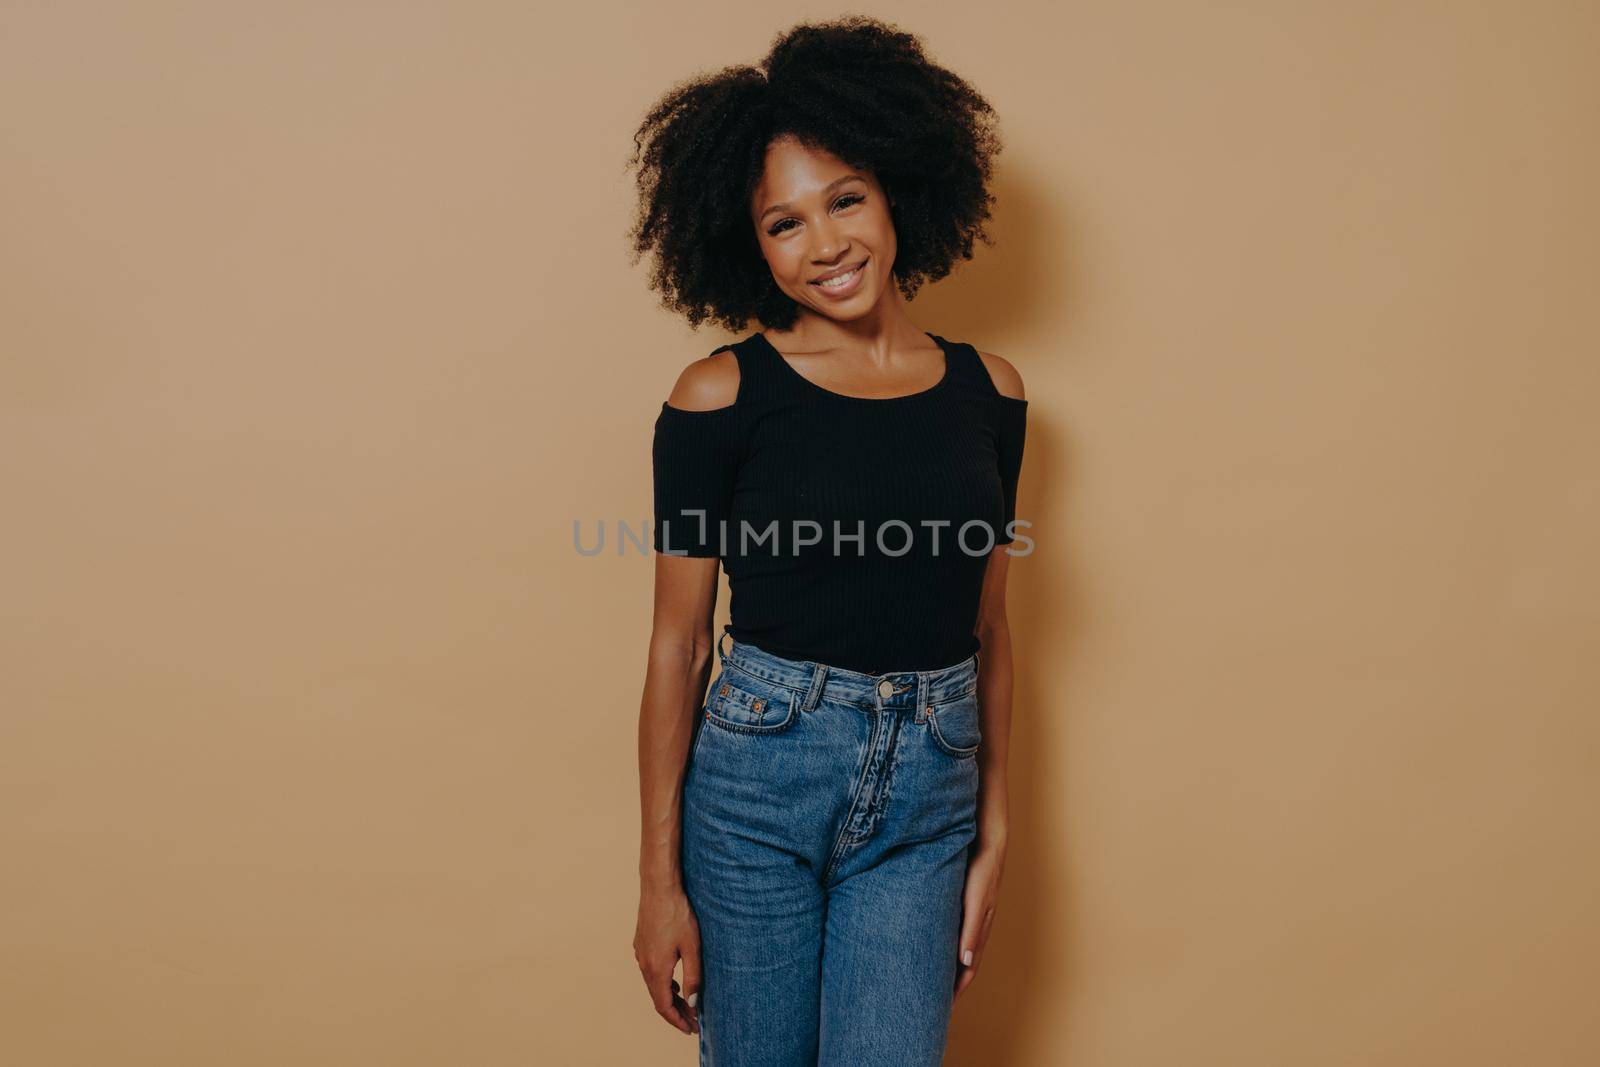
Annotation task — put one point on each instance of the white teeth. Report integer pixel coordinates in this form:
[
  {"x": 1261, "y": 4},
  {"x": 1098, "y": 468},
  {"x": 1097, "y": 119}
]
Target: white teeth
[{"x": 843, "y": 279}]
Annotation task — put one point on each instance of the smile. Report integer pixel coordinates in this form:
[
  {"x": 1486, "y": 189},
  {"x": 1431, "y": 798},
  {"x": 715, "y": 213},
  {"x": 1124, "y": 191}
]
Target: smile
[{"x": 845, "y": 283}]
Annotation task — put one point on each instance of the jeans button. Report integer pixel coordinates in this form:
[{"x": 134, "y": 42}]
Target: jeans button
[{"x": 886, "y": 689}]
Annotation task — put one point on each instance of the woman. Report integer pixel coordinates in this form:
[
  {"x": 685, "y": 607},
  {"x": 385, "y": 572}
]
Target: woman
[{"x": 824, "y": 833}]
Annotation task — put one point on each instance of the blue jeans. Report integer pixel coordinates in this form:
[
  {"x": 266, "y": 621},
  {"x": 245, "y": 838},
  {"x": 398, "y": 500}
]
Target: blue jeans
[{"x": 827, "y": 816}]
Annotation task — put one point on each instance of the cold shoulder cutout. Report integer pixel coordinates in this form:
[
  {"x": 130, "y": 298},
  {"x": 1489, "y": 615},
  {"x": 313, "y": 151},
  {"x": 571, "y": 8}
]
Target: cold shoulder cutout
[
  {"x": 1005, "y": 378},
  {"x": 710, "y": 383}
]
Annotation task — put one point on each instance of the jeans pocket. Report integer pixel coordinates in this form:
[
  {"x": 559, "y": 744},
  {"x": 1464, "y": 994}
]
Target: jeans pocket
[
  {"x": 743, "y": 703},
  {"x": 954, "y": 726}
]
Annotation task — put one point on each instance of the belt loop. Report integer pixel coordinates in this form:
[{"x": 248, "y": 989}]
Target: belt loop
[
  {"x": 819, "y": 678},
  {"x": 727, "y": 631}
]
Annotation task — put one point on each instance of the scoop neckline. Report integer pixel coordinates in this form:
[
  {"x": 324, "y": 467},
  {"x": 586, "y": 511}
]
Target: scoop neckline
[{"x": 949, "y": 370}]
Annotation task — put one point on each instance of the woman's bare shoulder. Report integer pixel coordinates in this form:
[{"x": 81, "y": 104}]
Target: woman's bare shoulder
[
  {"x": 1006, "y": 377},
  {"x": 708, "y": 383}
]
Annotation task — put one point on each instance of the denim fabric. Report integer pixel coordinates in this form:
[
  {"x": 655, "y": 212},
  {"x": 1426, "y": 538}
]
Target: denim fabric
[{"x": 827, "y": 818}]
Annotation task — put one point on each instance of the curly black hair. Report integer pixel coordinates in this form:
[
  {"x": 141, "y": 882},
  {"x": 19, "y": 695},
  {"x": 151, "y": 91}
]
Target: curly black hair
[{"x": 856, "y": 87}]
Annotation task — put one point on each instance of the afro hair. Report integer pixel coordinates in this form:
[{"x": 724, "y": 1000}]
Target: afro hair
[{"x": 855, "y": 87}]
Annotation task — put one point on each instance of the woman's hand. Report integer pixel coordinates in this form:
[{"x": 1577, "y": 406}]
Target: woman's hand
[
  {"x": 666, "y": 931},
  {"x": 977, "y": 906}
]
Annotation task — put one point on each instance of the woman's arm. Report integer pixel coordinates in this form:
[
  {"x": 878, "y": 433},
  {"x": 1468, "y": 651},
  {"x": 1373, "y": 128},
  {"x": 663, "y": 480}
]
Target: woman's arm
[
  {"x": 994, "y": 659},
  {"x": 994, "y": 702},
  {"x": 986, "y": 863},
  {"x": 677, "y": 670},
  {"x": 987, "y": 860},
  {"x": 676, "y": 673}
]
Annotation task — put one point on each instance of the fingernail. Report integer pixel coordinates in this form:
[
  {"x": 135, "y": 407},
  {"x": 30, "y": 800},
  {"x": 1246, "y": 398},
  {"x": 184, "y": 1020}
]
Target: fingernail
[
  {"x": 694, "y": 998},
  {"x": 966, "y": 957}
]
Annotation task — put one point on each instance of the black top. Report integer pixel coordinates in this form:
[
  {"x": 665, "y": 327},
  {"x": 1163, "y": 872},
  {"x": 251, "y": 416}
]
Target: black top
[{"x": 917, "y": 488}]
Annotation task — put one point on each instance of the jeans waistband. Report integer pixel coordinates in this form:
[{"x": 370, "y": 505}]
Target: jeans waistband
[{"x": 906, "y": 689}]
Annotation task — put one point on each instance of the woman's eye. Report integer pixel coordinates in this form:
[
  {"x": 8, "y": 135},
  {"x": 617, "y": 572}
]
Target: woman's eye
[{"x": 848, "y": 200}]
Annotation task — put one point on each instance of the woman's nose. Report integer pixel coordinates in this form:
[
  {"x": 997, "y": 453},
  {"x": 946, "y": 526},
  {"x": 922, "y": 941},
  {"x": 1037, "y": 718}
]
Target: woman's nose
[{"x": 829, "y": 244}]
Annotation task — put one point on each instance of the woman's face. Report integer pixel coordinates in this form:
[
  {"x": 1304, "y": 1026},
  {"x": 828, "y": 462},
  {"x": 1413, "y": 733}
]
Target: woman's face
[{"x": 815, "y": 216}]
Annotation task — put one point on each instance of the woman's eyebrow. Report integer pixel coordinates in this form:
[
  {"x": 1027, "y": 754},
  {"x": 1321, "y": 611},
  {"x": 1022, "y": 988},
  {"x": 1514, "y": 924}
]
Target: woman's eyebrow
[{"x": 825, "y": 189}]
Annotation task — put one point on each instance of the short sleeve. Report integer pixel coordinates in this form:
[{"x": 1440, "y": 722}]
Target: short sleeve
[
  {"x": 695, "y": 456},
  {"x": 1011, "y": 433}
]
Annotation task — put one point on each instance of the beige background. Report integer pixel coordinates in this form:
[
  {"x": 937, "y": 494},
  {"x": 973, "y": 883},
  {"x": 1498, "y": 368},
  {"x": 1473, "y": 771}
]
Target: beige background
[{"x": 318, "y": 333}]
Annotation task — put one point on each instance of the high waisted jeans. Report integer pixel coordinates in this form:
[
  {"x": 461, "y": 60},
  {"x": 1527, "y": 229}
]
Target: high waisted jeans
[{"x": 827, "y": 817}]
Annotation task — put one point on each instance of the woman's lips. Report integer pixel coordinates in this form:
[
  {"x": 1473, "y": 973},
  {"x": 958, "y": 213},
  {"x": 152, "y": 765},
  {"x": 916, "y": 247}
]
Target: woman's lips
[{"x": 844, "y": 289}]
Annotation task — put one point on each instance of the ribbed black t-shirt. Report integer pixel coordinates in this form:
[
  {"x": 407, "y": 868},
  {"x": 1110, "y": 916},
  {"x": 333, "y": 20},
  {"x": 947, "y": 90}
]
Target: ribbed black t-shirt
[{"x": 855, "y": 532}]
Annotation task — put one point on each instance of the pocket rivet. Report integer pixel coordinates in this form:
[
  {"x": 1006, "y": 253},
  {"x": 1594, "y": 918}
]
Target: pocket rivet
[
  {"x": 723, "y": 691},
  {"x": 758, "y": 704}
]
